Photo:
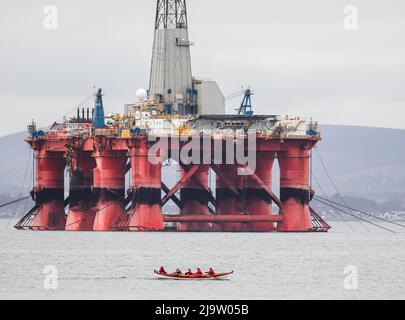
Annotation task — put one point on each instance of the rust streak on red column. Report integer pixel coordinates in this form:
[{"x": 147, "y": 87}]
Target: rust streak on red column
[
  {"x": 49, "y": 190},
  {"x": 258, "y": 191},
  {"x": 81, "y": 215},
  {"x": 194, "y": 198},
  {"x": 228, "y": 190},
  {"x": 294, "y": 187},
  {"x": 109, "y": 186},
  {"x": 146, "y": 211}
]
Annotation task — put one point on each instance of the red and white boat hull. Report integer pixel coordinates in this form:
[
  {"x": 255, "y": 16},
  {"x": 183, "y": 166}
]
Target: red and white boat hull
[{"x": 219, "y": 276}]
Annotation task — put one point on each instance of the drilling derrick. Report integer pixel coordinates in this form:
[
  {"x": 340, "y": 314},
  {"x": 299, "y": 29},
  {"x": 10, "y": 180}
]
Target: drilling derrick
[{"x": 171, "y": 77}]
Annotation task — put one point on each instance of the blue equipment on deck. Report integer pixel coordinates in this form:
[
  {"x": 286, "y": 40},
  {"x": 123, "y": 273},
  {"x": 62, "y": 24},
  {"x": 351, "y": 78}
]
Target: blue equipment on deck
[
  {"x": 99, "y": 117},
  {"x": 245, "y": 108}
]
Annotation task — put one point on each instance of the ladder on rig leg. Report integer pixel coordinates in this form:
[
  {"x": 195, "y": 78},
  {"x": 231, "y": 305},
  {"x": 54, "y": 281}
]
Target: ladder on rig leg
[
  {"x": 26, "y": 222},
  {"x": 122, "y": 223},
  {"x": 318, "y": 224}
]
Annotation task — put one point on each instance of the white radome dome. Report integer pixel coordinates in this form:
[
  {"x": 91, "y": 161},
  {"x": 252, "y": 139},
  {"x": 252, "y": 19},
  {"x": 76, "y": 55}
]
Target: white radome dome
[{"x": 141, "y": 94}]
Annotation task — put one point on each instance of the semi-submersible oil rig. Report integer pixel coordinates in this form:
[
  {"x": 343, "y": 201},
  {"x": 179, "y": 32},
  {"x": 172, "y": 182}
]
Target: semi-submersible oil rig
[{"x": 99, "y": 152}]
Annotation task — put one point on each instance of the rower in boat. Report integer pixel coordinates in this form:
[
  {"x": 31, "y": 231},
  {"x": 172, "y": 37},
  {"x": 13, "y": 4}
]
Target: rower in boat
[
  {"x": 162, "y": 270},
  {"x": 199, "y": 272},
  {"x": 178, "y": 272},
  {"x": 189, "y": 272},
  {"x": 211, "y": 272}
]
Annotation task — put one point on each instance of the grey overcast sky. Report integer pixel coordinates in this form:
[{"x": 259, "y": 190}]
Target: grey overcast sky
[{"x": 296, "y": 54}]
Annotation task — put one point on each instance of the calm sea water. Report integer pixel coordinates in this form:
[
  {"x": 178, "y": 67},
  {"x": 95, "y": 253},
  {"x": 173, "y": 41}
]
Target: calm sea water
[{"x": 267, "y": 266}]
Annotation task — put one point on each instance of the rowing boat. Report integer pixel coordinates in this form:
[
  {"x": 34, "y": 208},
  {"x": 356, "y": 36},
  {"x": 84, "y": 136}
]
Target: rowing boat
[{"x": 173, "y": 276}]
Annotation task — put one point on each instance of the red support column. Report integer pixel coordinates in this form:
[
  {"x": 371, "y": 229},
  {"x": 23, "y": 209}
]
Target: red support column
[
  {"x": 48, "y": 192},
  {"x": 109, "y": 186},
  {"x": 294, "y": 192},
  {"x": 81, "y": 212},
  {"x": 194, "y": 198},
  {"x": 258, "y": 202},
  {"x": 228, "y": 203},
  {"x": 146, "y": 190}
]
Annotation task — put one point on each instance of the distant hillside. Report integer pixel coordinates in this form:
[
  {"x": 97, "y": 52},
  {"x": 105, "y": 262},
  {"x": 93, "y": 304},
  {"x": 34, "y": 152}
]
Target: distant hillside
[
  {"x": 364, "y": 162},
  {"x": 14, "y": 158}
]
